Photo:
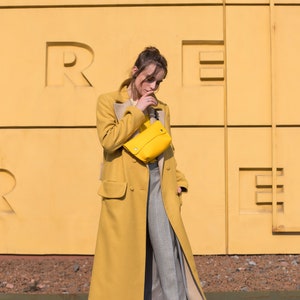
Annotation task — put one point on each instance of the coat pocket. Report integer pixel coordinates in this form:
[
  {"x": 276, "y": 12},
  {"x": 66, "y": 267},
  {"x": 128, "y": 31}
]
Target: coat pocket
[{"x": 112, "y": 190}]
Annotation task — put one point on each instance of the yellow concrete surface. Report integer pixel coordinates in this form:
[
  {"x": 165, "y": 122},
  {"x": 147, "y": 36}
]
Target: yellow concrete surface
[
  {"x": 48, "y": 182},
  {"x": 232, "y": 89}
]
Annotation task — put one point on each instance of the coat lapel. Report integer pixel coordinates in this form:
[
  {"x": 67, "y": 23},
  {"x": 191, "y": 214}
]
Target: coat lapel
[
  {"x": 158, "y": 113},
  {"x": 120, "y": 108},
  {"x": 122, "y": 102}
]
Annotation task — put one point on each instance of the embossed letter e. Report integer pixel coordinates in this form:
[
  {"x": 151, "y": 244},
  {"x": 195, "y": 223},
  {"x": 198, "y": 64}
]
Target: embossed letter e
[{"x": 67, "y": 60}]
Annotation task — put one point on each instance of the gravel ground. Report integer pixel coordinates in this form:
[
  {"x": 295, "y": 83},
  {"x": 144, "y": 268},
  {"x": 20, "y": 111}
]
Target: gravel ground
[{"x": 218, "y": 273}]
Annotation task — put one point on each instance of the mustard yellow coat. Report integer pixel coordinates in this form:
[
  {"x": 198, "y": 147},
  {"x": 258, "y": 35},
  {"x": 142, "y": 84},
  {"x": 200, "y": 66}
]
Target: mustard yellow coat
[{"x": 119, "y": 263}]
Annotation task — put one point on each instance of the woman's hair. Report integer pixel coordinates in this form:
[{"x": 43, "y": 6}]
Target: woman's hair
[{"x": 150, "y": 55}]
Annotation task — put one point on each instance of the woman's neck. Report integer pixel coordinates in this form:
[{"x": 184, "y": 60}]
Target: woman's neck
[{"x": 132, "y": 92}]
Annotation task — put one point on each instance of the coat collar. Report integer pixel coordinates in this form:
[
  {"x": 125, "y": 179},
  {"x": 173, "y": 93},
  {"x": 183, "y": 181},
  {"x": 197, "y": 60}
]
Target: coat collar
[
  {"x": 123, "y": 96},
  {"x": 123, "y": 101}
]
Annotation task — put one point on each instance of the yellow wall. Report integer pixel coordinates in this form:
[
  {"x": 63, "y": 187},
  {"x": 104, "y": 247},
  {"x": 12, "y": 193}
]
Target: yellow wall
[{"x": 233, "y": 91}]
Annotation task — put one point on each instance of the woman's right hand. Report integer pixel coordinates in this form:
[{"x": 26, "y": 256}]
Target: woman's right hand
[{"x": 146, "y": 100}]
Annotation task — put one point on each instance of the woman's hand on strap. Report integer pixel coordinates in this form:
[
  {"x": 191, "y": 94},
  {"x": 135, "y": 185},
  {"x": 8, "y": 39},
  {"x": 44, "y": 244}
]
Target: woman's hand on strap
[{"x": 179, "y": 190}]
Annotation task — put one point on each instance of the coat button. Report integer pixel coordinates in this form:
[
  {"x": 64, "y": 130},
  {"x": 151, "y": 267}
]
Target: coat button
[
  {"x": 168, "y": 168},
  {"x": 131, "y": 188}
]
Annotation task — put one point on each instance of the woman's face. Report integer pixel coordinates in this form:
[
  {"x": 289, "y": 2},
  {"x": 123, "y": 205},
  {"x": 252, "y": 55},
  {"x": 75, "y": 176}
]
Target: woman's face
[{"x": 148, "y": 80}]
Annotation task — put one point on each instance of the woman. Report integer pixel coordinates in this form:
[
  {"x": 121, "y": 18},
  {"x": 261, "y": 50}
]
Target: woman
[{"x": 142, "y": 249}]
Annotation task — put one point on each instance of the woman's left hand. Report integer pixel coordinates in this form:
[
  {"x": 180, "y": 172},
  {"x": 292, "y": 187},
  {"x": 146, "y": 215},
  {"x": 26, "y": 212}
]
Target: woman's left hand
[{"x": 179, "y": 190}]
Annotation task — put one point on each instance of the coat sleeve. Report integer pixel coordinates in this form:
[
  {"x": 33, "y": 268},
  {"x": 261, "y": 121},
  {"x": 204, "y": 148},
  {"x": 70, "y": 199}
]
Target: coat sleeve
[
  {"x": 181, "y": 180},
  {"x": 113, "y": 133}
]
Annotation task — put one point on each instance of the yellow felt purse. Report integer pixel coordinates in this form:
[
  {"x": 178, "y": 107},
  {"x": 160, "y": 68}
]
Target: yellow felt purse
[{"x": 150, "y": 143}]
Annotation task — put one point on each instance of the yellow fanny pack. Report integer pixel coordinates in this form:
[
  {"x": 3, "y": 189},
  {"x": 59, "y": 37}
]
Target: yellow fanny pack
[{"x": 150, "y": 143}]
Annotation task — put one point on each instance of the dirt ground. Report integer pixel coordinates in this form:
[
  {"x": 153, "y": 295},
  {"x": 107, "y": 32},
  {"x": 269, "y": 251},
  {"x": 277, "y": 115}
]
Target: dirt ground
[{"x": 71, "y": 274}]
